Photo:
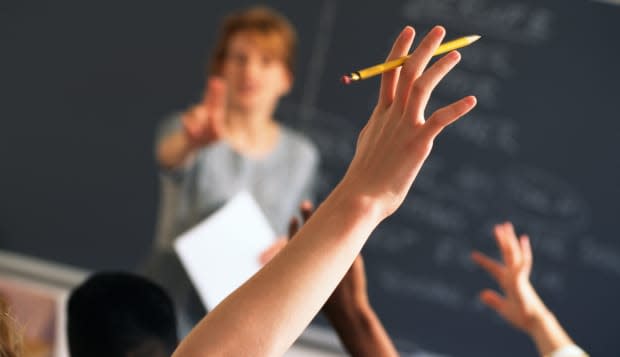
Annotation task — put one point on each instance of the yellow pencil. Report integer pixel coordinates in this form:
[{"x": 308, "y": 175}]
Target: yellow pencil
[{"x": 384, "y": 67}]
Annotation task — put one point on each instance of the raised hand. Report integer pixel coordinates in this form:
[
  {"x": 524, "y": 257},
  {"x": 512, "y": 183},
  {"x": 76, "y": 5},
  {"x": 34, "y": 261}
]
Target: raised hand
[
  {"x": 520, "y": 305},
  {"x": 204, "y": 123},
  {"x": 268, "y": 312},
  {"x": 397, "y": 139}
]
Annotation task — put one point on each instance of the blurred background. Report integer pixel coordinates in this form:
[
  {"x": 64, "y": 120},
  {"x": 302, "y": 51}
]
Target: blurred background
[{"x": 83, "y": 86}]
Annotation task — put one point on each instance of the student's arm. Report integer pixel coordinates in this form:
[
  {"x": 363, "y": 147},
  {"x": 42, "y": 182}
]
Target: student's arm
[
  {"x": 349, "y": 311},
  {"x": 202, "y": 125},
  {"x": 353, "y": 318},
  {"x": 306, "y": 208},
  {"x": 520, "y": 305},
  {"x": 267, "y": 313}
]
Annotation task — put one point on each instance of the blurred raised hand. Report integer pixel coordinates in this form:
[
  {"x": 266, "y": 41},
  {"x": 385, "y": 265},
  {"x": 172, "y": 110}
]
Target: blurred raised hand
[
  {"x": 520, "y": 304},
  {"x": 202, "y": 125}
]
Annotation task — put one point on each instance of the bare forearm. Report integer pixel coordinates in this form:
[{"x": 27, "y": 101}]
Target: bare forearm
[
  {"x": 270, "y": 311},
  {"x": 174, "y": 150},
  {"x": 361, "y": 332},
  {"x": 548, "y": 334}
]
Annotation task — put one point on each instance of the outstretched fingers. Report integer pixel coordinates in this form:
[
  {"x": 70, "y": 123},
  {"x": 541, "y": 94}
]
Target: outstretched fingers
[
  {"x": 415, "y": 65},
  {"x": 448, "y": 114},
  {"x": 424, "y": 86},
  {"x": 491, "y": 266},
  {"x": 389, "y": 79}
]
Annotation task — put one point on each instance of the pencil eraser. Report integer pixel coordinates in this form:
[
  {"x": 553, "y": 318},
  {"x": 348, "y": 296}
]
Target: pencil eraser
[{"x": 345, "y": 79}]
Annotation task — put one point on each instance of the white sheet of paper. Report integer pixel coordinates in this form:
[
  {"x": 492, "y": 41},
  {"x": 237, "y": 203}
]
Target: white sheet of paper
[{"x": 222, "y": 252}]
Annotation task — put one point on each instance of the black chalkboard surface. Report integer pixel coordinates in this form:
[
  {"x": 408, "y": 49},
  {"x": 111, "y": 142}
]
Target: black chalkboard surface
[{"x": 84, "y": 85}]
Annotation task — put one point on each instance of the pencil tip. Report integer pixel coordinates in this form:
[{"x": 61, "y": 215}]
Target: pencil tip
[
  {"x": 346, "y": 79},
  {"x": 473, "y": 38}
]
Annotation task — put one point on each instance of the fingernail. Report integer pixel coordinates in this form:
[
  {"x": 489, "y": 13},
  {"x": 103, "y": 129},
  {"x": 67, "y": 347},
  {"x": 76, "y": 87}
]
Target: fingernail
[
  {"x": 471, "y": 100},
  {"x": 454, "y": 55},
  {"x": 408, "y": 30}
]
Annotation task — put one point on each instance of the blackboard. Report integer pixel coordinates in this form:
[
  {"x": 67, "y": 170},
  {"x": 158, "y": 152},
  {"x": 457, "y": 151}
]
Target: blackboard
[{"x": 84, "y": 85}]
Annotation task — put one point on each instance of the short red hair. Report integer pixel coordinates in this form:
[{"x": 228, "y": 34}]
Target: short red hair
[{"x": 273, "y": 31}]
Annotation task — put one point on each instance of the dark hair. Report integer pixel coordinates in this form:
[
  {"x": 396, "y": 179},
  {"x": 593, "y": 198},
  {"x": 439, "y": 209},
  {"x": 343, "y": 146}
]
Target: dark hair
[
  {"x": 274, "y": 31},
  {"x": 120, "y": 314}
]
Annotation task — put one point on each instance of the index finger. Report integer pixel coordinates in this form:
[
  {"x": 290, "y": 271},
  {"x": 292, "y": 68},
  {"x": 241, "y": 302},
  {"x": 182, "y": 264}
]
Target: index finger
[
  {"x": 215, "y": 96},
  {"x": 388, "y": 79}
]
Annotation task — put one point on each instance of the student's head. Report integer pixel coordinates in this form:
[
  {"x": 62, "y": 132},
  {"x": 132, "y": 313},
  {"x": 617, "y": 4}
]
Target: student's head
[
  {"x": 120, "y": 315},
  {"x": 10, "y": 339},
  {"x": 255, "y": 55}
]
